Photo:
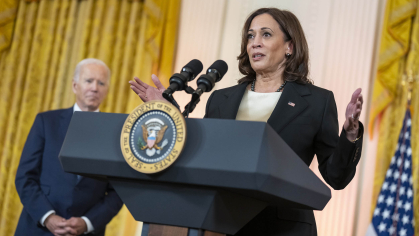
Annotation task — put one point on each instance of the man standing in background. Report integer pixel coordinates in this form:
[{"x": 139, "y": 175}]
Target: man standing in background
[{"x": 55, "y": 201}]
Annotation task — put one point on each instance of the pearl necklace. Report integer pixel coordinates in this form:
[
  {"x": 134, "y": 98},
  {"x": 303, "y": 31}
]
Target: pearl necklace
[{"x": 252, "y": 87}]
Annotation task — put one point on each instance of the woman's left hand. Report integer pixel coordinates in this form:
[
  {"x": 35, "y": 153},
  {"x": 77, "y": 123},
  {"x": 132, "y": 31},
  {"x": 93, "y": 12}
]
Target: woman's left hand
[{"x": 353, "y": 111}]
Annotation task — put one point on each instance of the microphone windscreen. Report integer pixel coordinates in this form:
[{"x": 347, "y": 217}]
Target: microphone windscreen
[
  {"x": 221, "y": 66},
  {"x": 196, "y": 66}
]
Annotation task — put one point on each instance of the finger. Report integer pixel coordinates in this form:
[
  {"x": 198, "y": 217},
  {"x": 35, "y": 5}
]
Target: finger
[
  {"x": 357, "y": 114},
  {"x": 157, "y": 82},
  {"x": 361, "y": 99},
  {"x": 351, "y": 121},
  {"x": 62, "y": 224},
  {"x": 358, "y": 105},
  {"x": 138, "y": 83},
  {"x": 74, "y": 224},
  {"x": 139, "y": 89},
  {"x": 60, "y": 231},
  {"x": 355, "y": 95},
  {"x": 141, "y": 83},
  {"x": 71, "y": 230},
  {"x": 136, "y": 90}
]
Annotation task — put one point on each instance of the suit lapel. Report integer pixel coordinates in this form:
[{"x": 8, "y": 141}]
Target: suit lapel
[
  {"x": 65, "y": 119},
  {"x": 289, "y": 105},
  {"x": 229, "y": 109}
]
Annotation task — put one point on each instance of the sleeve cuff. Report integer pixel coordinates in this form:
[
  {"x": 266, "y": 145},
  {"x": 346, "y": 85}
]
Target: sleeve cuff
[
  {"x": 42, "y": 220},
  {"x": 360, "y": 133},
  {"x": 89, "y": 225},
  {"x": 354, "y": 149}
]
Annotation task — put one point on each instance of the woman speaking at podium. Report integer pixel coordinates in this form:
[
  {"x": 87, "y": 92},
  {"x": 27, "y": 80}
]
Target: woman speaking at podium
[{"x": 276, "y": 89}]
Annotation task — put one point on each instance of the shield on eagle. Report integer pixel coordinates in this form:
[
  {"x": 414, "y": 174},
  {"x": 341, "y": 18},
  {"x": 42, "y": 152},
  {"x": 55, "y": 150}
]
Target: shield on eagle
[
  {"x": 153, "y": 133},
  {"x": 151, "y": 140}
]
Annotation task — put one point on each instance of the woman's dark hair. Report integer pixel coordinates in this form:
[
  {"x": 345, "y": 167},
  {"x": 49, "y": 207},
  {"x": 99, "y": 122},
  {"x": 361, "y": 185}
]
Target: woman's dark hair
[{"x": 296, "y": 65}]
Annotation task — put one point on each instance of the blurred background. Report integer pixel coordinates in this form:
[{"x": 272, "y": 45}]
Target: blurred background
[{"x": 370, "y": 44}]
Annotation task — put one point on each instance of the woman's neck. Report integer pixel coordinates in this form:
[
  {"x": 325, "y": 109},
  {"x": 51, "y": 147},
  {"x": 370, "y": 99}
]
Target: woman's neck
[{"x": 268, "y": 82}]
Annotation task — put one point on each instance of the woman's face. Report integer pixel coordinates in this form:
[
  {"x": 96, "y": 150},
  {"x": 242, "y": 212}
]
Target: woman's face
[{"x": 266, "y": 46}]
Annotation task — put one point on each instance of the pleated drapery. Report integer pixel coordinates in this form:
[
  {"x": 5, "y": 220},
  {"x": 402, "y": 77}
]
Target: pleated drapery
[
  {"x": 395, "y": 41},
  {"x": 398, "y": 64},
  {"x": 8, "y": 10},
  {"x": 47, "y": 40}
]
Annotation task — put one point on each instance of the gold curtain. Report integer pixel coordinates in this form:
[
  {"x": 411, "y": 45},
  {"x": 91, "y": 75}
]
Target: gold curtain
[
  {"x": 395, "y": 38},
  {"x": 398, "y": 63},
  {"x": 135, "y": 38},
  {"x": 7, "y": 18}
]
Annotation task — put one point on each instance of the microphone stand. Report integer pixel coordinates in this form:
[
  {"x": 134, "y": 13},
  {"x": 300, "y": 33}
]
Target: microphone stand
[
  {"x": 171, "y": 99},
  {"x": 194, "y": 101}
]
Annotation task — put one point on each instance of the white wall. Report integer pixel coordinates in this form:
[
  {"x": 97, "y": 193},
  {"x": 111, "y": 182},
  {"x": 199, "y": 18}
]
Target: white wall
[{"x": 342, "y": 39}]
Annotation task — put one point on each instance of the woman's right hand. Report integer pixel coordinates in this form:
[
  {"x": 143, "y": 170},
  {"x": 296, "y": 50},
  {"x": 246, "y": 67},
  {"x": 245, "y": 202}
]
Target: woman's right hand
[{"x": 147, "y": 92}]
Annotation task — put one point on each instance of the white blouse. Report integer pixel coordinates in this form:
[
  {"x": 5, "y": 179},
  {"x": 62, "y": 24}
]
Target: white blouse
[{"x": 257, "y": 106}]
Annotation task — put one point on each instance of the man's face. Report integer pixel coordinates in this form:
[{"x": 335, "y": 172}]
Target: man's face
[{"x": 92, "y": 87}]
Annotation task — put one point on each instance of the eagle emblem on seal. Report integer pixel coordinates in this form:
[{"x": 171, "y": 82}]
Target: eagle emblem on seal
[{"x": 153, "y": 134}]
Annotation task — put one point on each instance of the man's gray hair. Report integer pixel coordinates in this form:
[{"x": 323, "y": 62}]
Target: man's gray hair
[{"x": 89, "y": 61}]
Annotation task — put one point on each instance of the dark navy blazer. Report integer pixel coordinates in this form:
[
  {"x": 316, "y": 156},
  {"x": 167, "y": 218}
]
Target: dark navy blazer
[
  {"x": 43, "y": 185},
  {"x": 310, "y": 127}
]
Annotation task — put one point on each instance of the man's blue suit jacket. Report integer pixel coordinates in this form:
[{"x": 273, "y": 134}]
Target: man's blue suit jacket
[{"x": 43, "y": 185}]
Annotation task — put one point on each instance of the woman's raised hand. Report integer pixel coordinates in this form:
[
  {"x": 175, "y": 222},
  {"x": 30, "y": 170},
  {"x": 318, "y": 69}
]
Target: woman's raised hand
[
  {"x": 353, "y": 111},
  {"x": 147, "y": 92}
]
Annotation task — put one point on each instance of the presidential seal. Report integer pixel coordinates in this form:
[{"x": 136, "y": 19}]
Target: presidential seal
[{"x": 153, "y": 136}]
